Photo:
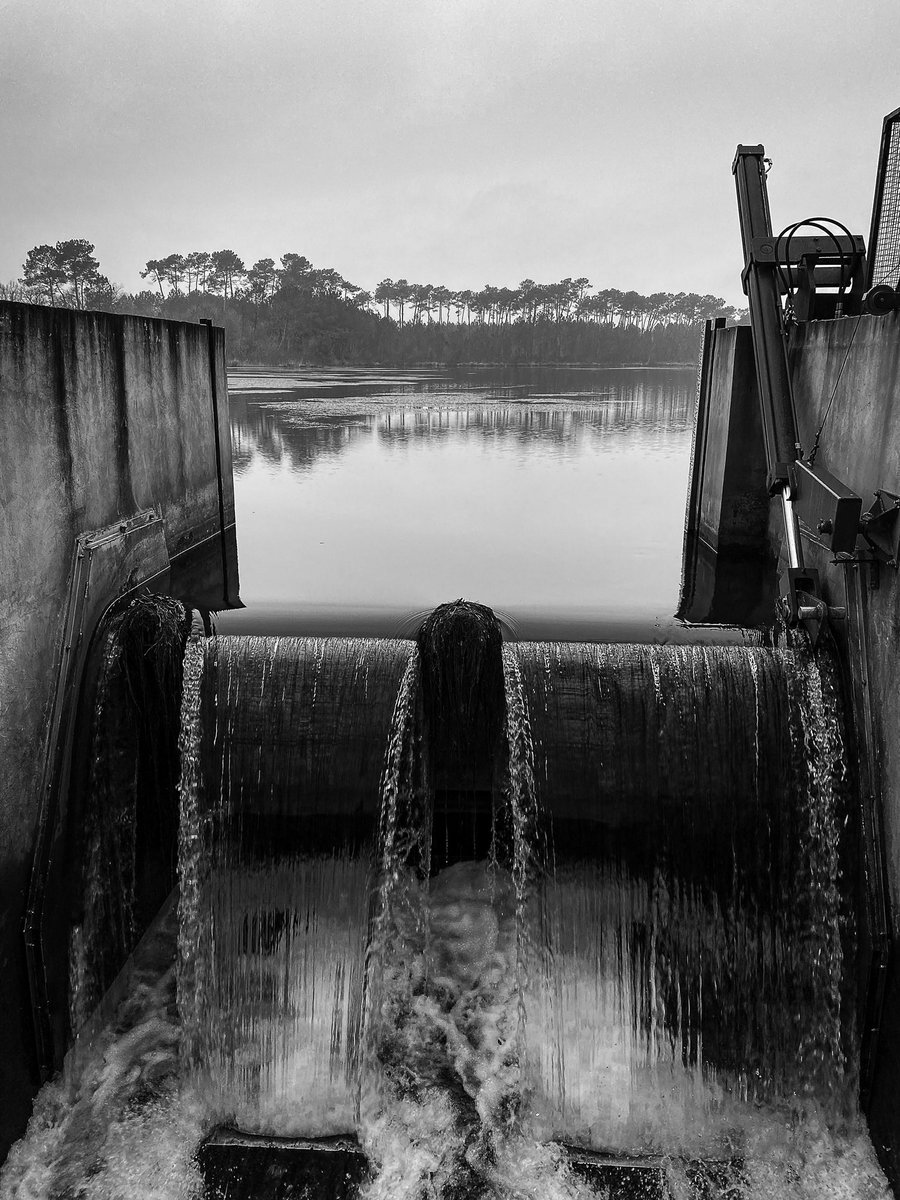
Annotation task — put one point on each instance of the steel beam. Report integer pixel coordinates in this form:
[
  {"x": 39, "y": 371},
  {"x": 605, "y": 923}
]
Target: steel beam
[{"x": 761, "y": 285}]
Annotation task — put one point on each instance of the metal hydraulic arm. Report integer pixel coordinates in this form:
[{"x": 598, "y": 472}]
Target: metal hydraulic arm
[{"x": 762, "y": 288}]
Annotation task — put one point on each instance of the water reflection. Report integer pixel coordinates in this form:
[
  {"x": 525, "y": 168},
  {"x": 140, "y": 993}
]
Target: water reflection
[
  {"x": 299, "y": 432},
  {"x": 555, "y": 497}
]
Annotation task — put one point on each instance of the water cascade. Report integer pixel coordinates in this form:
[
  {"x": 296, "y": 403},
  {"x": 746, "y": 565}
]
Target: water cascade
[
  {"x": 284, "y": 741},
  {"x": 621, "y": 929},
  {"x": 125, "y": 836},
  {"x": 504, "y": 920},
  {"x": 688, "y": 936}
]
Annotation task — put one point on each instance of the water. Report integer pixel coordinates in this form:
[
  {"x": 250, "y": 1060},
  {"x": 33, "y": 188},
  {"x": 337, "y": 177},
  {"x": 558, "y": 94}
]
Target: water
[
  {"x": 664, "y": 970},
  {"x": 278, "y": 822},
  {"x": 121, "y": 1120},
  {"x": 692, "y": 927},
  {"x": 364, "y": 500},
  {"x": 654, "y": 958},
  {"x": 653, "y": 966},
  {"x": 130, "y": 753}
]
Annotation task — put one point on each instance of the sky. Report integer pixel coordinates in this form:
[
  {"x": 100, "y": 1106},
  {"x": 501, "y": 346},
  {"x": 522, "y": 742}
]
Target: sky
[{"x": 455, "y": 142}]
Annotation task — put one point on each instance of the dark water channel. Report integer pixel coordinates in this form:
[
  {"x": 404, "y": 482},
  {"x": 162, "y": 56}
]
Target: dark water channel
[{"x": 556, "y": 496}]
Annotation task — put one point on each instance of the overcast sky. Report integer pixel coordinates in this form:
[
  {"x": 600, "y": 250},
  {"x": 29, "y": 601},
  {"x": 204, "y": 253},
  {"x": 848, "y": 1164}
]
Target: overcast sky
[{"x": 460, "y": 142}]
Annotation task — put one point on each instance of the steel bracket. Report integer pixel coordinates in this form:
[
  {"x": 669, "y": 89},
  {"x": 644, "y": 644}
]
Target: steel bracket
[
  {"x": 781, "y": 476},
  {"x": 880, "y": 526},
  {"x": 802, "y": 602},
  {"x": 828, "y": 508}
]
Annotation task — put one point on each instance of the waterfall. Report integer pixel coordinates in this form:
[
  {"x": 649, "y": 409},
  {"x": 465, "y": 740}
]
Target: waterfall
[
  {"x": 688, "y": 933},
  {"x": 656, "y": 949},
  {"x": 650, "y": 955},
  {"x": 281, "y": 792},
  {"x": 124, "y": 774}
]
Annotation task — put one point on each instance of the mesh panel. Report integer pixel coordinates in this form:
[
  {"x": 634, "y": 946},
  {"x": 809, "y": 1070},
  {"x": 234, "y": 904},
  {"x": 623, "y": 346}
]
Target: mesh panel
[{"x": 884, "y": 241}]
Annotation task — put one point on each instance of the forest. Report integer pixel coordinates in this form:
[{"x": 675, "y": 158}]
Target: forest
[{"x": 294, "y": 313}]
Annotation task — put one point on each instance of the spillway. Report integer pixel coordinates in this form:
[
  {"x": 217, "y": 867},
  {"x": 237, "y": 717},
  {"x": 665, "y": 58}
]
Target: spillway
[
  {"x": 284, "y": 741},
  {"x": 688, "y": 943},
  {"x": 651, "y": 956},
  {"x": 466, "y": 918}
]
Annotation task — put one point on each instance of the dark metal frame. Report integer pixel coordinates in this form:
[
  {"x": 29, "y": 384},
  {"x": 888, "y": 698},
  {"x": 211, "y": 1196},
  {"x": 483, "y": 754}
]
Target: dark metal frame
[
  {"x": 885, "y": 227},
  {"x": 762, "y": 287}
]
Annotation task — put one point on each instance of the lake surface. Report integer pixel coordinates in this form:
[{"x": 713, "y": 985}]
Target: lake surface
[{"x": 555, "y": 496}]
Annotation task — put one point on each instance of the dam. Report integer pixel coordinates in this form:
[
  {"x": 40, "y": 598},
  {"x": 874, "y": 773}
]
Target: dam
[{"x": 464, "y": 903}]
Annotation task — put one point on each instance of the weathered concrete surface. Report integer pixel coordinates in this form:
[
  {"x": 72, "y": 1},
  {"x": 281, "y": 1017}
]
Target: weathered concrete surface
[
  {"x": 853, "y": 364},
  {"x": 102, "y": 416},
  {"x": 860, "y": 444},
  {"x": 860, "y": 358}
]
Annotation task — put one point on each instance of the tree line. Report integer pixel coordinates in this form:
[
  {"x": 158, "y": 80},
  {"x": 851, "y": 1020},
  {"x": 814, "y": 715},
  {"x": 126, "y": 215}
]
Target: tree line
[{"x": 294, "y": 312}]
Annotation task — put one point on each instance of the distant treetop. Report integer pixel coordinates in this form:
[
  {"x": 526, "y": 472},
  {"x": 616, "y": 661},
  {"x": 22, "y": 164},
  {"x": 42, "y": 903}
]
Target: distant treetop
[{"x": 291, "y": 309}]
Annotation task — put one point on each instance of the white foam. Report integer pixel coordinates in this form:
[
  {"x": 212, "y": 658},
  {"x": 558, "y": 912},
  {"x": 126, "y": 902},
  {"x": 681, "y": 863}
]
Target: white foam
[{"x": 125, "y": 1125}]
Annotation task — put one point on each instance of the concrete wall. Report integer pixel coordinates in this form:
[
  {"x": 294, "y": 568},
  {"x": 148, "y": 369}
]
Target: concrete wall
[
  {"x": 854, "y": 364},
  {"x": 857, "y": 361},
  {"x": 102, "y": 417}
]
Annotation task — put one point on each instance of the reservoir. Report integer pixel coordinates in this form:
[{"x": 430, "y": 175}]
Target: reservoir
[{"x": 555, "y": 496}]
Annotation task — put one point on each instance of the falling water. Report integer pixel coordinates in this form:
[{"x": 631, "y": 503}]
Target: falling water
[
  {"x": 685, "y": 978},
  {"x": 277, "y": 829},
  {"x": 130, "y": 758},
  {"x": 119, "y": 1120},
  {"x": 653, "y": 961}
]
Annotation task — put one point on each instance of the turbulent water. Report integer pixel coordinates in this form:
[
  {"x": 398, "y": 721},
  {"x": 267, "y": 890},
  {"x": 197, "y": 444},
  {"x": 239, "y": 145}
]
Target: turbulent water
[
  {"x": 121, "y": 1120},
  {"x": 654, "y": 958}
]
